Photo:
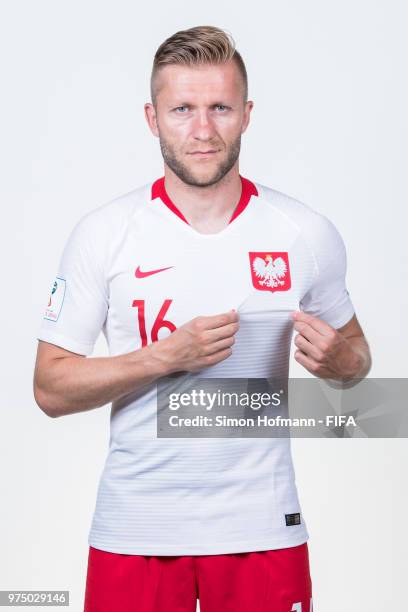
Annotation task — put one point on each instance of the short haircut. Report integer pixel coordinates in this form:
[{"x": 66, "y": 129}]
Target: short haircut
[{"x": 195, "y": 46}]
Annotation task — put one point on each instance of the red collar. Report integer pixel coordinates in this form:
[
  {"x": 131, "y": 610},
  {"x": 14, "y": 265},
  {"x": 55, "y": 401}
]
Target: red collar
[{"x": 248, "y": 189}]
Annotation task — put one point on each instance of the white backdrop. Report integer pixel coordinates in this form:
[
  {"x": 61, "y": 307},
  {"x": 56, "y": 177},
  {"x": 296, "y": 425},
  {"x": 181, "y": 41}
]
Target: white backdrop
[{"x": 329, "y": 127}]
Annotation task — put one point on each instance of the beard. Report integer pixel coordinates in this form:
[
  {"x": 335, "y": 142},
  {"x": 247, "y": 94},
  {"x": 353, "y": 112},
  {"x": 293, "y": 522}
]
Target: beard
[{"x": 183, "y": 172}]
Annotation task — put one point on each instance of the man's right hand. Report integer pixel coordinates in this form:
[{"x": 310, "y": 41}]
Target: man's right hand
[{"x": 199, "y": 343}]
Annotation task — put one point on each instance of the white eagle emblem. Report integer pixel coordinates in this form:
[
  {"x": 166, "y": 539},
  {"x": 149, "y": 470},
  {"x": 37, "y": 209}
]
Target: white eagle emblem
[{"x": 271, "y": 271}]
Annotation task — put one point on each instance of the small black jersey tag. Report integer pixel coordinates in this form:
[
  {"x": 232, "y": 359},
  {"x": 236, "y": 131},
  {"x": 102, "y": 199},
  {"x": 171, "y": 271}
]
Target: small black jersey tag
[{"x": 292, "y": 519}]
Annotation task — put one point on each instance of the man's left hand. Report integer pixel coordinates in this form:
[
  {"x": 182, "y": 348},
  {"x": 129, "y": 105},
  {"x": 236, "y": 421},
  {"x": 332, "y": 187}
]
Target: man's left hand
[{"x": 323, "y": 350}]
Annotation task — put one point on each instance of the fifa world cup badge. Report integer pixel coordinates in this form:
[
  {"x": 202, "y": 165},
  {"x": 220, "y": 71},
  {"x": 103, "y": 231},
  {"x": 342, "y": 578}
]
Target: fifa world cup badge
[{"x": 56, "y": 300}]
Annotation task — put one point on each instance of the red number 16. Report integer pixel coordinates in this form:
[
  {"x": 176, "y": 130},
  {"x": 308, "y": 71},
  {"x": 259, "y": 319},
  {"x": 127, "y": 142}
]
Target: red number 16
[{"x": 158, "y": 324}]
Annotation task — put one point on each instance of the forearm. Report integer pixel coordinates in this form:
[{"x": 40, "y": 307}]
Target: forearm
[{"x": 76, "y": 384}]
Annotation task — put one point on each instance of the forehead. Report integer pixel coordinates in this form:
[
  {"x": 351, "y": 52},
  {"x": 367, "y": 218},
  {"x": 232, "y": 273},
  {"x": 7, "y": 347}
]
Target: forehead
[{"x": 204, "y": 81}]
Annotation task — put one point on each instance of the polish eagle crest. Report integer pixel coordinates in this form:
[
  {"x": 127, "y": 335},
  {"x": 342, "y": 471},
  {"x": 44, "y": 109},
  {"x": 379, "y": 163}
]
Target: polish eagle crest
[{"x": 270, "y": 271}]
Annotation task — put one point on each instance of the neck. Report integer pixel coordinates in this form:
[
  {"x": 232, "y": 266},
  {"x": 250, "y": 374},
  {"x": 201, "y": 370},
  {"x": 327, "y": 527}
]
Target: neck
[{"x": 207, "y": 209}]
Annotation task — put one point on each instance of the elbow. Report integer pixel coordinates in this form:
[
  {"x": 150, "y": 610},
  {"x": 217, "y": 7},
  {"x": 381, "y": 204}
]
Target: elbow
[
  {"x": 368, "y": 368},
  {"x": 367, "y": 361},
  {"x": 43, "y": 401}
]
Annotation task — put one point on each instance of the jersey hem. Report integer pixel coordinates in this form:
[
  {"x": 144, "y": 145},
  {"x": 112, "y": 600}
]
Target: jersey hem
[
  {"x": 338, "y": 317},
  {"x": 219, "y": 549},
  {"x": 65, "y": 342}
]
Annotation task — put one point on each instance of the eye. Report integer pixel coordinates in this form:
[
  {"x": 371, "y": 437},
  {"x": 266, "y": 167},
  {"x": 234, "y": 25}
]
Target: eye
[
  {"x": 181, "y": 109},
  {"x": 221, "y": 107}
]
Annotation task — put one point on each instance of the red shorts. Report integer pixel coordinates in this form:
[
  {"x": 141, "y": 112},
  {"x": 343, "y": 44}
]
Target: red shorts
[{"x": 265, "y": 581}]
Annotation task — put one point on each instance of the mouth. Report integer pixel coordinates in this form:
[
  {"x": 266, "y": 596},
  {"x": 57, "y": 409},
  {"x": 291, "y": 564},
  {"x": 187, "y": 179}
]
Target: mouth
[{"x": 200, "y": 154}]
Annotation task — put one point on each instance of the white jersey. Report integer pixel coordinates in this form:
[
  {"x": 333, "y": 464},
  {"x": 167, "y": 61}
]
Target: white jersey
[{"x": 135, "y": 269}]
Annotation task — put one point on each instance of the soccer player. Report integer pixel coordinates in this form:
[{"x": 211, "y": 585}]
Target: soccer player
[{"x": 201, "y": 270}]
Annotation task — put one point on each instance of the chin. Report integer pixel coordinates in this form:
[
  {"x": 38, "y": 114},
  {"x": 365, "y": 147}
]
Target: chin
[
  {"x": 205, "y": 175},
  {"x": 204, "y": 179}
]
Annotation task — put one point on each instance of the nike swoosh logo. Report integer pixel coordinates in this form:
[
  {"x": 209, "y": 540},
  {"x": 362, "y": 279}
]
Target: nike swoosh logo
[{"x": 140, "y": 274}]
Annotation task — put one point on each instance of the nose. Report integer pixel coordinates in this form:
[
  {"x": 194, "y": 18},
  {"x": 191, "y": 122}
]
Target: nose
[{"x": 203, "y": 126}]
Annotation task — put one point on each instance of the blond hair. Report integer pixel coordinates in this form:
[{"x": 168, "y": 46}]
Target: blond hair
[{"x": 195, "y": 46}]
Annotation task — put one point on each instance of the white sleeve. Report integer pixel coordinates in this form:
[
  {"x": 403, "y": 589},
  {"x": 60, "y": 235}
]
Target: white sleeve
[
  {"x": 78, "y": 302},
  {"x": 328, "y": 298}
]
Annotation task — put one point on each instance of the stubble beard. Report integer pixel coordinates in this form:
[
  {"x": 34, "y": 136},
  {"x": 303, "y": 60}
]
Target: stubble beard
[{"x": 182, "y": 171}]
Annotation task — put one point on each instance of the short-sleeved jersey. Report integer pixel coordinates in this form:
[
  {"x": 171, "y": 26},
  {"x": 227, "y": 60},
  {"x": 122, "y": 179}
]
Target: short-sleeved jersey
[{"x": 136, "y": 270}]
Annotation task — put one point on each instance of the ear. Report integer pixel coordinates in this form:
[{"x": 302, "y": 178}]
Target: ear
[
  {"x": 150, "y": 114},
  {"x": 247, "y": 112}
]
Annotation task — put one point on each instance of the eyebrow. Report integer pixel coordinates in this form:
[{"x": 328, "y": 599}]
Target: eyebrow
[{"x": 219, "y": 103}]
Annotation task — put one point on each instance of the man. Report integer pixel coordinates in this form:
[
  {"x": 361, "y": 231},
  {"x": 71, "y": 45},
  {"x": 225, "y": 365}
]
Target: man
[{"x": 178, "y": 274}]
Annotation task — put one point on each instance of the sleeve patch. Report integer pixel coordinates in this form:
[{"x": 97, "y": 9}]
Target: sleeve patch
[{"x": 56, "y": 300}]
